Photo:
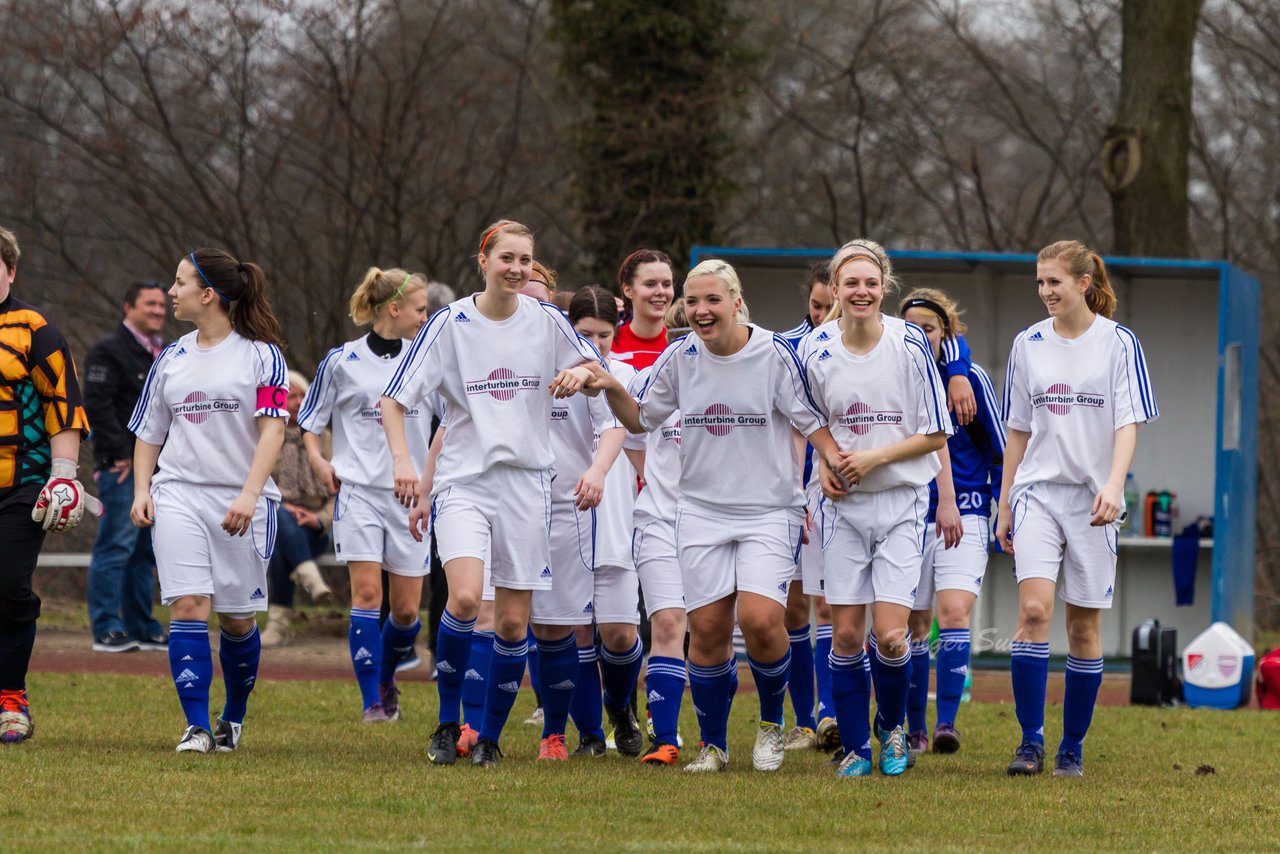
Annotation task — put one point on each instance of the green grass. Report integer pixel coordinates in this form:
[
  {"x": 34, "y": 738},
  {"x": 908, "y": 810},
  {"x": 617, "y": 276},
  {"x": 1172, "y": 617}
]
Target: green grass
[{"x": 101, "y": 774}]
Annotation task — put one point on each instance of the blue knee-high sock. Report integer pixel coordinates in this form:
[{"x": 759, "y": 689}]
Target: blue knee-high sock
[
  {"x": 397, "y": 645},
  {"x": 1084, "y": 676},
  {"x": 873, "y": 674},
  {"x": 535, "y": 677},
  {"x": 800, "y": 679},
  {"x": 891, "y": 676},
  {"x": 822, "y": 672},
  {"x": 1029, "y": 668},
  {"x": 474, "y": 680},
  {"x": 852, "y": 701},
  {"x": 918, "y": 687},
  {"x": 558, "y": 665},
  {"x": 365, "y": 639},
  {"x": 619, "y": 672},
  {"x": 586, "y": 708},
  {"x": 506, "y": 669},
  {"x": 239, "y": 659},
  {"x": 953, "y": 667},
  {"x": 711, "y": 689},
  {"x": 191, "y": 663},
  {"x": 453, "y": 651},
  {"x": 771, "y": 686},
  {"x": 664, "y": 680}
]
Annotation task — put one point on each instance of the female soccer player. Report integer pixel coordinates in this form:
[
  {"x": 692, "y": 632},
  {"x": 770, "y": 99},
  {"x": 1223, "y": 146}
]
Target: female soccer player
[
  {"x": 492, "y": 356},
  {"x": 739, "y": 389},
  {"x": 648, "y": 289},
  {"x": 953, "y": 576},
  {"x": 369, "y": 524},
  {"x": 1076, "y": 389},
  {"x": 213, "y": 413},
  {"x": 884, "y": 401}
]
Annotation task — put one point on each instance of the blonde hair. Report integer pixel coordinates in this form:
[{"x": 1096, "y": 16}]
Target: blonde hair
[
  {"x": 866, "y": 249},
  {"x": 298, "y": 382},
  {"x": 9, "y": 251},
  {"x": 954, "y": 326},
  {"x": 379, "y": 289},
  {"x": 497, "y": 229},
  {"x": 724, "y": 271},
  {"x": 674, "y": 318},
  {"x": 1081, "y": 261},
  {"x": 548, "y": 275}
]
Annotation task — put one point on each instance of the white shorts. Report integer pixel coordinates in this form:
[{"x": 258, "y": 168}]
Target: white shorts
[
  {"x": 960, "y": 568},
  {"x": 195, "y": 557},
  {"x": 502, "y": 518},
  {"x": 811, "y": 552},
  {"x": 369, "y": 524},
  {"x": 617, "y": 595},
  {"x": 569, "y": 601},
  {"x": 720, "y": 554},
  {"x": 1051, "y": 529},
  {"x": 873, "y": 545},
  {"x": 653, "y": 548}
]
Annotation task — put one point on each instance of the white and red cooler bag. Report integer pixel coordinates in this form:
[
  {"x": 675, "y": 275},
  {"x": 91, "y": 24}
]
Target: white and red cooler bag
[{"x": 1217, "y": 669}]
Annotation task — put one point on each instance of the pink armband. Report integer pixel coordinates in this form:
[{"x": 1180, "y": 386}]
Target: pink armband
[{"x": 272, "y": 397}]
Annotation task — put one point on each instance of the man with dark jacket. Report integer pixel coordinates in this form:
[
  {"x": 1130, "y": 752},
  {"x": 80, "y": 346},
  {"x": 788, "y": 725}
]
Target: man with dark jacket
[{"x": 120, "y": 596}]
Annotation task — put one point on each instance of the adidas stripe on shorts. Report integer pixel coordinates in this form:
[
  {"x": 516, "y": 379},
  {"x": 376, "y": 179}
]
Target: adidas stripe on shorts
[
  {"x": 369, "y": 524},
  {"x": 872, "y": 545},
  {"x": 959, "y": 568},
  {"x": 720, "y": 553},
  {"x": 569, "y": 601},
  {"x": 1051, "y": 529},
  {"x": 653, "y": 548}
]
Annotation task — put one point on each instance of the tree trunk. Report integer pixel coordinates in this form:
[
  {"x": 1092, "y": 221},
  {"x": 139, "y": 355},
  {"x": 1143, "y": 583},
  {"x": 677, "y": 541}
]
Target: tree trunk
[{"x": 1144, "y": 160}]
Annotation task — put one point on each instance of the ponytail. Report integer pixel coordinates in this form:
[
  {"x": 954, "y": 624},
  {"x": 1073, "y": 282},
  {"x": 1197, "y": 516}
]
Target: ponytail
[
  {"x": 379, "y": 289},
  {"x": 242, "y": 292},
  {"x": 1101, "y": 297},
  {"x": 1080, "y": 261}
]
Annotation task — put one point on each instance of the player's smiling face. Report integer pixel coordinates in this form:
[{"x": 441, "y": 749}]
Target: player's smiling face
[
  {"x": 598, "y": 332},
  {"x": 188, "y": 296},
  {"x": 508, "y": 264},
  {"x": 930, "y": 323},
  {"x": 651, "y": 290},
  {"x": 1061, "y": 292},
  {"x": 860, "y": 289},
  {"x": 710, "y": 310},
  {"x": 409, "y": 313}
]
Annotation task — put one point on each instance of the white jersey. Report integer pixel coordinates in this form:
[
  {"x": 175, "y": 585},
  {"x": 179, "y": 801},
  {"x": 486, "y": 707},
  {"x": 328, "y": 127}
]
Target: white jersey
[
  {"x": 1072, "y": 395},
  {"x": 661, "y": 493},
  {"x": 736, "y": 451},
  {"x": 201, "y": 404},
  {"x": 575, "y": 423},
  {"x": 347, "y": 392},
  {"x": 614, "y": 516},
  {"x": 494, "y": 377},
  {"x": 881, "y": 398},
  {"x": 831, "y": 331}
]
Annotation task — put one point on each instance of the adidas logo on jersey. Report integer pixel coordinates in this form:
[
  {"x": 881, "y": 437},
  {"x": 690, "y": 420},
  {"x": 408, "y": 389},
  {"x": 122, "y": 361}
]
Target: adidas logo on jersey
[
  {"x": 445, "y": 667},
  {"x": 566, "y": 685},
  {"x": 822, "y": 336},
  {"x": 1038, "y": 336},
  {"x": 546, "y": 572},
  {"x": 473, "y": 675},
  {"x": 361, "y": 654},
  {"x": 187, "y": 676},
  {"x": 461, "y": 317},
  {"x": 256, "y": 594},
  {"x": 655, "y": 697},
  {"x": 691, "y": 350},
  {"x": 353, "y": 357},
  {"x": 824, "y": 355},
  {"x": 510, "y": 687},
  {"x": 182, "y": 351}
]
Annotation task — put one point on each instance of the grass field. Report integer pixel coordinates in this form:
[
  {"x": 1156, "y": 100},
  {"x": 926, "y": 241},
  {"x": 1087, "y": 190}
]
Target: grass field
[{"x": 101, "y": 774}]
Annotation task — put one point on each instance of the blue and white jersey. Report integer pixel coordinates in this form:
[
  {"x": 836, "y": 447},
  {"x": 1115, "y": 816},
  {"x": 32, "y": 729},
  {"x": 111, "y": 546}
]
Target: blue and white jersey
[
  {"x": 1071, "y": 395},
  {"x": 797, "y": 333},
  {"x": 976, "y": 449},
  {"x": 347, "y": 394},
  {"x": 494, "y": 377},
  {"x": 202, "y": 405}
]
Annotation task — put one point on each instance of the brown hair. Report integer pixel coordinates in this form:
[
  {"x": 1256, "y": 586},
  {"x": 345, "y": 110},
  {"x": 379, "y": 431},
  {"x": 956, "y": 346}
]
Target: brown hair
[
  {"x": 1081, "y": 261},
  {"x": 9, "y": 251},
  {"x": 954, "y": 326},
  {"x": 595, "y": 302},
  {"x": 548, "y": 275},
  {"x": 242, "y": 291},
  {"x": 502, "y": 226},
  {"x": 380, "y": 288},
  {"x": 627, "y": 271},
  {"x": 819, "y": 272},
  {"x": 675, "y": 317}
]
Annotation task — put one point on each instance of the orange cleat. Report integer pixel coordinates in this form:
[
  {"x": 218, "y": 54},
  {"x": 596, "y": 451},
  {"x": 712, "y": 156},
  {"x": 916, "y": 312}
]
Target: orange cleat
[
  {"x": 661, "y": 754},
  {"x": 553, "y": 749},
  {"x": 467, "y": 738}
]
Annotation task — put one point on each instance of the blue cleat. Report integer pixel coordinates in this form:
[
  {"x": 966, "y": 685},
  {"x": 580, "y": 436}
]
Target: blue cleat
[
  {"x": 1028, "y": 760},
  {"x": 853, "y": 765},
  {"x": 1069, "y": 764},
  {"x": 893, "y": 752}
]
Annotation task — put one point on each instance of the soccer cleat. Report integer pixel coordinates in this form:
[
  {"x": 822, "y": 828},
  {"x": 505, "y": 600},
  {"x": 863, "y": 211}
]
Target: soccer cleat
[
  {"x": 1028, "y": 760},
  {"x": 893, "y": 752},
  {"x": 443, "y": 747},
  {"x": 800, "y": 738},
  {"x": 917, "y": 743},
  {"x": 661, "y": 754},
  {"x": 467, "y": 738},
  {"x": 389, "y": 695},
  {"x": 375, "y": 714},
  {"x": 1068, "y": 764},
  {"x": 226, "y": 735},
  {"x": 486, "y": 754},
  {"x": 413, "y": 662},
  {"x": 553, "y": 749},
  {"x": 768, "y": 751},
  {"x": 709, "y": 760},
  {"x": 196, "y": 740},
  {"x": 945, "y": 739},
  {"x": 535, "y": 717},
  {"x": 853, "y": 765},
  {"x": 591, "y": 746},
  {"x": 828, "y": 734},
  {"x": 626, "y": 731},
  {"x": 648, "y": 730},
  {"x": 15, "y": 717}
]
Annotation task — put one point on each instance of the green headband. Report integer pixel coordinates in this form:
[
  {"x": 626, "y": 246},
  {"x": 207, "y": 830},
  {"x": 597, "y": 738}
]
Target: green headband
[{"x": 399, "y": 292}]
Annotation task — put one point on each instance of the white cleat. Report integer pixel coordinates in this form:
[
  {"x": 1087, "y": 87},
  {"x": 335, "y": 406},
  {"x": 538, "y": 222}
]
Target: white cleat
[
  {"x": 226, "y": 735},
  {"x": 709, "y": 760},
  {"x": 801, "y": 738},
  {"x": 769, "y": 751},
  {"x": 196, "y": 740}
]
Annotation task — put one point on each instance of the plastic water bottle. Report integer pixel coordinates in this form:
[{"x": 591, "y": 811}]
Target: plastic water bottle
[{"x": 1131, "y": 498}]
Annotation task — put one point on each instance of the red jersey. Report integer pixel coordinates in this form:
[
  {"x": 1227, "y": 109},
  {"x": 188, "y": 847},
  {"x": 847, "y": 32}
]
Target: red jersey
[{"x": 639, "y": 353}]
